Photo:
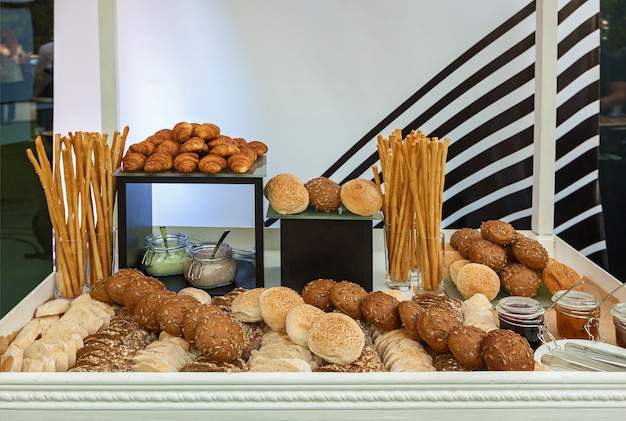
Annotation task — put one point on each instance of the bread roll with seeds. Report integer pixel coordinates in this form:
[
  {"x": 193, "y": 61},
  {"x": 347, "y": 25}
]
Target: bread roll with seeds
[
  {"x": 299, "y": 321},
  {"x": 337, "y": 338},
  {"x": 381, "y": 310},
  {"x": 505, "y": 350},
  {"x": 317, "y": 293},
  {"x": 347, "y": 297},
  {"x": 275, "y": 303}
]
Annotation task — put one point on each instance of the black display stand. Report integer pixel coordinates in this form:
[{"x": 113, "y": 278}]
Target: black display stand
[
  {"x": 335, "y": 245},
  {"x": 135, "y": 208}
]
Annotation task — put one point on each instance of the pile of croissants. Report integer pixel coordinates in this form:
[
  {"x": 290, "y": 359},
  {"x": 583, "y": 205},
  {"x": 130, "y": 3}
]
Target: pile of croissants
[{"x": 188, "y": 147}]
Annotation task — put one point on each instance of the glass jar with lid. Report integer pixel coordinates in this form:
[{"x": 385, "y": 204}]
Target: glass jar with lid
[
  {"x": 619, "y": 321},
  {"x": 577, "y": 315},
  {"x": 208, "y": 267},
  {"x": 522, "y": 315},
  {"x": 165, "y": 255}
]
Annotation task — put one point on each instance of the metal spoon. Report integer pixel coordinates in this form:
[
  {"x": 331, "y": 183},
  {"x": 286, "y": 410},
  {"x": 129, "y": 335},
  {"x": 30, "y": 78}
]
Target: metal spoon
[{"x": 219, "y": 243}]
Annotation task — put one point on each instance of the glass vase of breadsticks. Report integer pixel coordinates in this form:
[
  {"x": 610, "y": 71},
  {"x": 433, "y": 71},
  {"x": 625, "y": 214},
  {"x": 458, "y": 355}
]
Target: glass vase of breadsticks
[
  {"x": 411, "y": 182},
  {"x": 80, "y": 194}
]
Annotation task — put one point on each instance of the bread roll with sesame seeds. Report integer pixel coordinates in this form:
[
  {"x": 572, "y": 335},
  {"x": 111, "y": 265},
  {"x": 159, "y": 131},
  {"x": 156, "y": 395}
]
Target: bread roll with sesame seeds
[
  {"x": 299, "y": 321},
  {"x": 337, "y": 338},
  {"x": 245, "y": 306},
  {"x": 275, "y": 303},
  {"x": 286, "y": 194}
]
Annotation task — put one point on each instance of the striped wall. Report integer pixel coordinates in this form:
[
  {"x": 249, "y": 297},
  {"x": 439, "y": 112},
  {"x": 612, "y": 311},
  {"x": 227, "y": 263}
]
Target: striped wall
[{"x": 487, "y": 111}]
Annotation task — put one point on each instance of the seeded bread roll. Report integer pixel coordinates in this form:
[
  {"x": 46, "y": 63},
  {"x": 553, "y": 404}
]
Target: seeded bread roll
[
  {"x": 558, "y": 276},
  {"x": 219, "y": 337},
  {"x": 299, "y": 321},
  {"x": 505, "y": 350},
  {"x": 410, "y": 312},
  {"x": 171, "y": 312},
  {"x": 337, "y": 338},
  {"x": 139, "y": 287},
  {"x": 381, "y": 310},
  {"x": 498, "y": 232},
  {"x": 476, "y": 278},
  {"x": 275, "y": 303},
  {"x": 347, "y": 297},
  {"x": 193, "y": 317},
  {"x": 519, "y": 280},
  {"x": 286, "y": 194},
  {"x": 317, "y": 293},
  {"x": 487, "y": 253},
  {"x": 465, "y": 343},
  {"x": 324, "y": 194},
  {"x": 146, "y": 309},
  {"x": 116, "y": 283},
  {"x": 435, "y": 325},
  {"x": 361, "y": 196},
  {"x": 462, "y": 238},
  {"x": 530, "y": 252},
  {"x": 245, "y": 306}
]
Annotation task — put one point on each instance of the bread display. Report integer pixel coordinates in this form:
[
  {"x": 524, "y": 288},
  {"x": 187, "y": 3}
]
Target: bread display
[
  {"x": 269, "y": 329},
  {"x": 189, "y": 146}
]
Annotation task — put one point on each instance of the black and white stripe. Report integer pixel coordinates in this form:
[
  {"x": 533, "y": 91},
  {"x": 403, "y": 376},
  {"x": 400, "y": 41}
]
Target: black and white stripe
[{"x": 484, "y": 102}]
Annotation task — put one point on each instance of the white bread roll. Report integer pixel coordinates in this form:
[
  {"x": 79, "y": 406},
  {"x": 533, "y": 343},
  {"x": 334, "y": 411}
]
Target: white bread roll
[
  {"x": 275, "y": 303},
  {"x": 299, "y": 320},
  {"x": 474, "y": 278},
  {"x": 286, "y": 194},
  {"x": 199, "y": 294},
  {"x": 337, "y": 338},
  {"x": 245, "y": 306},
  {"x": 361, "y": 196}
]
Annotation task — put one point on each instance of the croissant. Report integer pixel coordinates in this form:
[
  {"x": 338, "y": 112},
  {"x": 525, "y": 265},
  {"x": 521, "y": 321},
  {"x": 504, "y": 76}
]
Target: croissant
[
  {"x": 240, "y": 162},
  {"x": 164, "y": 133},
  {"x": 249, "y": 152},
  {"x": 259, "y": 147},
  {"x": 212, "y": 164},
  {"x": 158, "y": 162},
  {"x": 239, "y": 141},
  {"x": 182, "y": 131},
  {"x": 224, "y": 150},
  {"x": 169, "y": 146},
  {"x": 157, "y": 139},
  {"x": 145, "y": 147},
  {"x": 133, "y": 161},
  {"x": 194, "y": 144},
  {"x": 207, "y": 130},
  {"x": 220, "y": 140},
  {"x": 186, "y": 162}
]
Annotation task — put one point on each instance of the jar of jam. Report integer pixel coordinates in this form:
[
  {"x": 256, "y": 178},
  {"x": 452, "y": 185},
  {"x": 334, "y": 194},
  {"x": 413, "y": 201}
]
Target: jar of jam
[
  {"x": 577, "y": 315},
  {"x": 522, "y": 315},
  {"x": 165, "y": 255},
  {"x": 205, "y": 269},
  {"x": 619, "y": 320}
]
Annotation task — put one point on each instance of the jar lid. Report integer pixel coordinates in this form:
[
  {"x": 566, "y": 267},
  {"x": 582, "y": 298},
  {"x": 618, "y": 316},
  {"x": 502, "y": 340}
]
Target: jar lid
[
  {"x": 174, "y": 240},
  {"x": 526, "y": 307},
  {"x": 575, "y": 300},
  {"x": 619, "y": 311}
]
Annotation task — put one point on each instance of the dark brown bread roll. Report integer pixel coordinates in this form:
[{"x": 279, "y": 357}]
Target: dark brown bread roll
[
  {"x": 171, "y": 312},
  {"x": 488, "y": 253},
  {"x": 530, "y": 252},
  {"x": 317, "y": 293},
  {"x": 465, "y": 343},
  {"x": 324, "y": 194},
  {"x": 462, "y": 238},
  {"x": 505, "y": 350},
  {"x": 139, "y": 287},
  {"x": 498, "y": 232},
  {"x": 410, "y": 312},
  {"x": 381, "y": 310},
  {"x": 98, "y": 291},
  {"x": 347, "y": 297},
  {"x": 434, "y": 327},
  {"x": 116, "y": 283},
  {"x": 519, "y": 280},
  {"x": 193, "y": 317},
  {"x": 146, "y": 309},
  {"x": 219, "y": 337}
]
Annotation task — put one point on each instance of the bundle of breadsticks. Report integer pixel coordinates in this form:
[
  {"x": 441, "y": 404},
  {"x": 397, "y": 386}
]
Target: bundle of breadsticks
[
  {"x": 413, "y": 172},
  {"x": 80, "y": 194}
]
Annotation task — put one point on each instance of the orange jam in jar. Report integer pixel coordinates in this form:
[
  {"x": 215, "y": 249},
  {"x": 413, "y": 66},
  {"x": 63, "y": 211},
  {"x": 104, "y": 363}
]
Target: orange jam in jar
[
  {"x": 619, "y": 320},
  {"x": 577, "y": 315}
]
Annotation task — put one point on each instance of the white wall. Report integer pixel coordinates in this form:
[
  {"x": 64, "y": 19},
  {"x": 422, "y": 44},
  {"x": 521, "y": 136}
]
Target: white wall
[{"x": 308, "y": 78}]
